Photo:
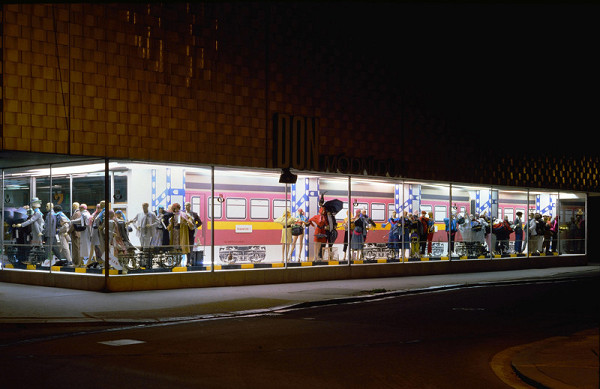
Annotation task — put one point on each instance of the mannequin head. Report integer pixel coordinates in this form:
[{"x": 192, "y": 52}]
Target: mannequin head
[
  {"x": 75, "y": 207},
  {"x": 83, "y": 207},
  {"x": 145, "y": 207},
  {"x": 188, "y": 207},
  {"x": 49, "y": 206},
  {"x": 35, "y": 203}
]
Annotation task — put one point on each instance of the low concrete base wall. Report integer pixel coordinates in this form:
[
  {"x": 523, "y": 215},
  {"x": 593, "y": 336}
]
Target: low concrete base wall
[{"x": 180, "y": 280}]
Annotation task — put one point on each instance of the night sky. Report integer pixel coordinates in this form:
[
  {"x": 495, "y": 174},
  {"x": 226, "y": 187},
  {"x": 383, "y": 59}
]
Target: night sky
[{"x": 517, "y": 76}]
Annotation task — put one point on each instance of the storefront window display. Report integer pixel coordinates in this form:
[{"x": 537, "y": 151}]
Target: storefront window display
[
  {"x": 572, "y": 223},
  {"x": 434, "y": 212},
  {"x": 162, "y": 217},
  {"x": 542, "y": 223},
  {"x": 472, "y": 208},
  {"x": 509, "y": 229},
  {"x": 364, "y": 213},
  {"x": 38, "y": 200},
  {"x": 245, "y": 205}
]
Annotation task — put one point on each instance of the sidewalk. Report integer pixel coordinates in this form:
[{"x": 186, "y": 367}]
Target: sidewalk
[
  {"x": 560, "y": 362},
  {"x": 564, "y": 362}
]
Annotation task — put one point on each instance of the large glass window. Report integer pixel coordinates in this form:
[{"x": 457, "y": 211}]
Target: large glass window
[
  {"x": 371, "y": 240},
  {"x": 159, "y": 217},
  {"x": 250, "y": 233},
  {"x": 327, "y": 237},
  {"x": 434, "y": 203},
  {"x": 510, "y": 224},
  {"x": 542, "y": 223},
  {"x": 571, "y": 223},
  {"x": 476, "y": 212}
]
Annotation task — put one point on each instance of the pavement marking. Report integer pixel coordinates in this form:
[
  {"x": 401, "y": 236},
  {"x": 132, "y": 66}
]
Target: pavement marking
[{"x": 122, "y": 342}]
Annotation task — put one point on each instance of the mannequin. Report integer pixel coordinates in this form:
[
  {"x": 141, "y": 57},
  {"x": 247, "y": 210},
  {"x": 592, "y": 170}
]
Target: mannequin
[
  {"x": 75, "y": 236},
  {"x": 319, "y": 221},
  {"x": 63, "y": 224},
  {"x": 51, "y": 233},
  {"x": 97, "y": 239},
  {"x": 518, "y": 228},
  {"x": 348, "y": 225},
  {"x": 163, "y": 233},
  {"x": 287, "y": 221},
  {"x": 122, "y": 237},
  {"x": 430, "y": 232},
  {"x": 179, "y": 226},
  {"x": 394, "y": 234},
  {"x": 83, "y": 221},
  {"x": 145, "y": 223},
  {"x": 36, "y": 221},
  {"x": 298, "y": 233},
  {"x": 193, "y": 216},
  {"x": 423, "y": 230},
  {"x": 358, "y": 235}
]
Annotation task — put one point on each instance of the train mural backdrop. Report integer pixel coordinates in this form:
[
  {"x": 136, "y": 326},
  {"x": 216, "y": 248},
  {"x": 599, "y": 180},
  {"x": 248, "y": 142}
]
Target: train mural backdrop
[{"x": 246, "y": 203}]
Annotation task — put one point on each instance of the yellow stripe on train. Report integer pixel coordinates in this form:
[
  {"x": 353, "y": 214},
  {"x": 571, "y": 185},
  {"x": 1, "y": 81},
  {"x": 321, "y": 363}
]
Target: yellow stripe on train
[{"x": 233, "y": 225}]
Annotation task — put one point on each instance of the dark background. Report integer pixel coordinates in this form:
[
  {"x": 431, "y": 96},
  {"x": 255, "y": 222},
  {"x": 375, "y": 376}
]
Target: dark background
[{"x": 509, "y": 76}]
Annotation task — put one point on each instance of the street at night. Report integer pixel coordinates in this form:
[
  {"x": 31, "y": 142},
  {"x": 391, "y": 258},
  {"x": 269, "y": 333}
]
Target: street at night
[{"x": 442, "y": 338}]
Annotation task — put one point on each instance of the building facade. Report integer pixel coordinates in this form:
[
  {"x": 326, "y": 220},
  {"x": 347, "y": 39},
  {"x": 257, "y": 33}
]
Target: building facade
[{"x": 255, "y": 87}]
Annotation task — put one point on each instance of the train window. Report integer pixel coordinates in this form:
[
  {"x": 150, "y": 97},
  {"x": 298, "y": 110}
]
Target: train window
[
  {"x": 279, "y": 207},
  {"x": 361, "y": 206},
  {"x": 378, "y": 212},
  {"x": 259, "y": 209},
  {"x": 218, "y": 209},
  {"x": 391, "y": 209},
  {"x": 426, "y": 208},
  {"x": 343, "y": 212},
  {"x": 195, "y": 201},
  {"x": 510, "y": 213},
  {"x": 235, "y": 208},
  {"x": 441, "y": 212}
]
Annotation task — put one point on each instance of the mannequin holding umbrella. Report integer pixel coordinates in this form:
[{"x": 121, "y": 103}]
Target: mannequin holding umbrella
[
  {"x": 13, "y": 217},
  {"x": 36, "y": 221},
  {"x": 324, "y": 223},
  {"x": 332, "y": 207}
]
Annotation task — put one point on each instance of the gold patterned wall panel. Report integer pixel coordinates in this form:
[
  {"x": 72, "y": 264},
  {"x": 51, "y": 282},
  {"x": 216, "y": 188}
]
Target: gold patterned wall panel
[{"x": 201, "y": 83}]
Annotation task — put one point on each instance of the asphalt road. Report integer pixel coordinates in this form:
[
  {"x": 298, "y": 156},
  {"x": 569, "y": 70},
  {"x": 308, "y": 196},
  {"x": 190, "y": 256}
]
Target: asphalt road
[{"x": 437, "y": 339}]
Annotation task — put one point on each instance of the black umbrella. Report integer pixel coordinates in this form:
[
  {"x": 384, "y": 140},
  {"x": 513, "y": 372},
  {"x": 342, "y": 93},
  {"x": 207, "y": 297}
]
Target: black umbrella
[
  {"x": 14, "y": 215},
  {"x": 333, "y": 206}
]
